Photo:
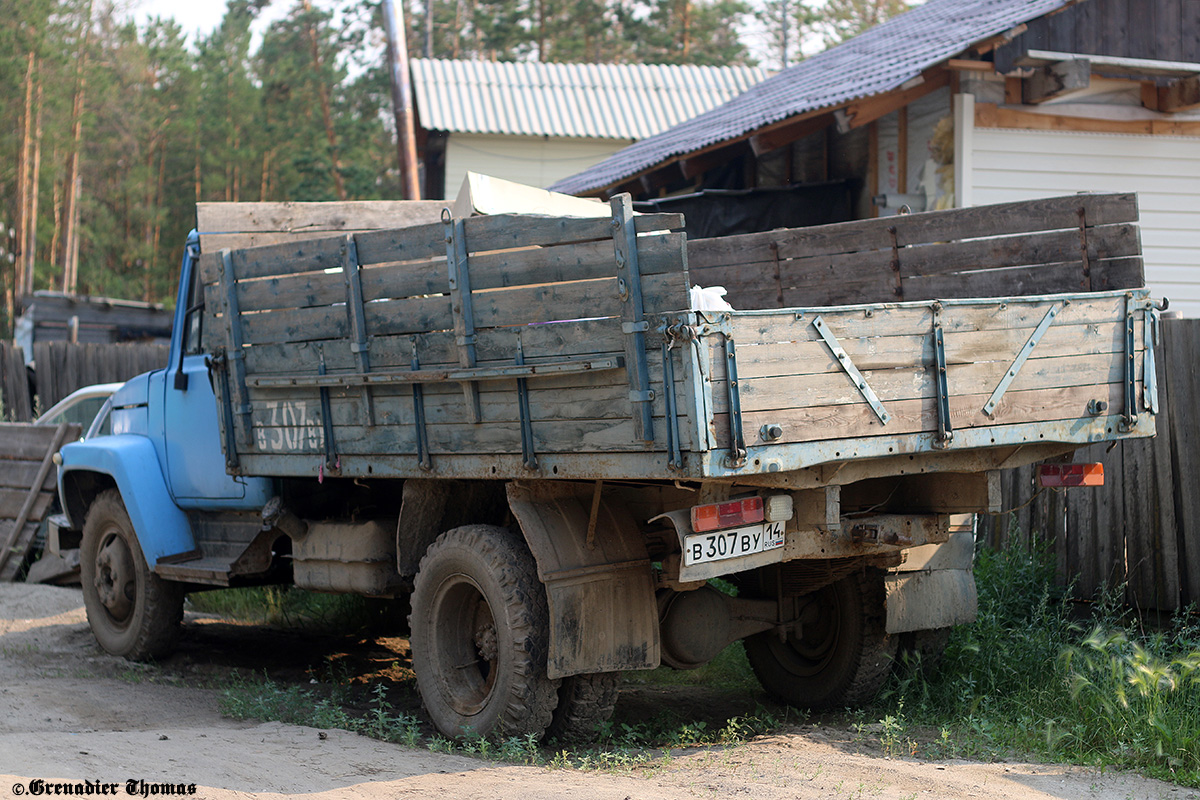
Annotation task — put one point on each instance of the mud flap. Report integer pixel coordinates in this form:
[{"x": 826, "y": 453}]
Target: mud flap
[
  {"x": 934, "y": 588},
  {"x": 600, "y": 587}
]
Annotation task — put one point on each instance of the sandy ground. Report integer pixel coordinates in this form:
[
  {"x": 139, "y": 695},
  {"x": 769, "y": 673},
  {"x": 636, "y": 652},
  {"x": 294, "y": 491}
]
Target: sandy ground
[{"x": 71, "y": 714}]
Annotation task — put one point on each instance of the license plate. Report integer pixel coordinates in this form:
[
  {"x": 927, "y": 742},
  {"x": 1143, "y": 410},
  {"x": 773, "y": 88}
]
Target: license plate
[{"x": 701, "y": 548}]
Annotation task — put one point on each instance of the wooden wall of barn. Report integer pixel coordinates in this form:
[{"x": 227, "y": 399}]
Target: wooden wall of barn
[{"x": 1141, "y": 530}]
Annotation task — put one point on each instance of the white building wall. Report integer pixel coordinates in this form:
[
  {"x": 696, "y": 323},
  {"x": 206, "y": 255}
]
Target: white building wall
[
  {"x": 532, "y": 160},
  {"x": 1008, "y": 165}
]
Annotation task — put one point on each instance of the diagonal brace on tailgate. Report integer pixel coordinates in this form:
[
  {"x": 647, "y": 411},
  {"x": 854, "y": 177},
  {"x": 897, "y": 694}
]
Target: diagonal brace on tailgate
[
  {"x": 844, "y": 359},
  {"x": 1010, "y": 374}
]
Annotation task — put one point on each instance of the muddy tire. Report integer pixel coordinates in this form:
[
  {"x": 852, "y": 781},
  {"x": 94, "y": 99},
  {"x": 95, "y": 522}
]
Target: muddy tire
[
  {"x": 842, "y": 655},
  {"x": 480, "y": 636},
  {"x": 132, "y": 612},
  {"x": 585, "y": 702}
]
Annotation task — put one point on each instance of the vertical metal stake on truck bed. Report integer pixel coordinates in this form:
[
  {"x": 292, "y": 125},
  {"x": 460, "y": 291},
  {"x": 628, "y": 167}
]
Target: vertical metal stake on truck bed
[
  {"x": 737, "y": 437},
  {"x": 1129, "y": 417},
  {"x": 945, "y": 431},
  {"x": 462, "y": 305},
  {"x": 234, "y": 353},
  {"x": 1153, "y": 333},
  {"x": 674, "y": 450},
  {"x": 418, "y": 392},
  {"x": 528, "y": 456},
  {"x": 633, "y": 322},
  {"x": 331, "y": 456},
  {"x": 358, "y": 322}
]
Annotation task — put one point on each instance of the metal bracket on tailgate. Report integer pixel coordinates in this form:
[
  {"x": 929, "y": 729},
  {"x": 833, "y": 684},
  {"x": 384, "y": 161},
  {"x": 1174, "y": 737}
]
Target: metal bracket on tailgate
[
  {"x": 1150, "y": 368},
  {"x": 945, "y": 432},
  {"x": 1129, "y": 416},
  {"x": 673, "y": 447},
  {"x": 1011, "y": 373},
  {"x": 844, "y": 359}
]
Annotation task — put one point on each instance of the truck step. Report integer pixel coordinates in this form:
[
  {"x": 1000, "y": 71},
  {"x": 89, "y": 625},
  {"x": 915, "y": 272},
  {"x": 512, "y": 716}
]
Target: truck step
[{"x": 209, "y": 571}]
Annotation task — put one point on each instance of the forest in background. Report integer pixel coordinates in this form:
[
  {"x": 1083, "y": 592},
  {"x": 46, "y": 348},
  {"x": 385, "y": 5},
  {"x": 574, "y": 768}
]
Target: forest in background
[{"x": 110, "y": 132}]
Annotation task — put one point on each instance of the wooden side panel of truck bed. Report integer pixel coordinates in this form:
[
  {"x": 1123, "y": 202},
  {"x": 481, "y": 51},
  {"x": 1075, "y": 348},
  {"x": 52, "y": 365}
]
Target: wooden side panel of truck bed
[{"x": 502, "y": 347}]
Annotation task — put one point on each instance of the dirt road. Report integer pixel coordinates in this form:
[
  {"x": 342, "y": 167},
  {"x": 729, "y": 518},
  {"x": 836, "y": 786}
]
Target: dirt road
[{"x": 77, "y": 719}]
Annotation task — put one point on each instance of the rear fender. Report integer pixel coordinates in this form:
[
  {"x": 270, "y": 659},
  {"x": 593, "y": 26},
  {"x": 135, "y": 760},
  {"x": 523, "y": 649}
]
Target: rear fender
[
  {"x": 131, "y": 463},
  {"x": 600, "y": 589}
]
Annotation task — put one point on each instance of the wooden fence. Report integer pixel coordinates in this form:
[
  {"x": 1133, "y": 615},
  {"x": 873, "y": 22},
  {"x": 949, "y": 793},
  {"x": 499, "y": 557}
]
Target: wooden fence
[
  {"x": 62, "y": 368},
  {"x": 1140, "y": 530},
  {"x": 15, "y": 405}
]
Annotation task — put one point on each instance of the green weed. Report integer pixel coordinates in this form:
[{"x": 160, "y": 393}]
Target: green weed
[{"x": 1026, "y": 677}]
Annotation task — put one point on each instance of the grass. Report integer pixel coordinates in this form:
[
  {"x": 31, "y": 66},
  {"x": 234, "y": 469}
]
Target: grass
[
  {"x": 288, "y": 607},
  {"x": 1029, "y": 677}
]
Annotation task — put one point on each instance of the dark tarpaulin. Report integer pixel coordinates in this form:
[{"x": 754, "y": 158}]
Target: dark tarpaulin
[{"x": 723, "y": 212}]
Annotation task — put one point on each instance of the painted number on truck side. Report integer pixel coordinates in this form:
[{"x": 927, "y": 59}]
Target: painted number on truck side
[{"x": 289, "y": 427}]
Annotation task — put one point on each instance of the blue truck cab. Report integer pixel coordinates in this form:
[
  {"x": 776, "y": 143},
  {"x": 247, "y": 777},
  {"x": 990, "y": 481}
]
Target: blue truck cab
[{"x": 161, "y": 469}]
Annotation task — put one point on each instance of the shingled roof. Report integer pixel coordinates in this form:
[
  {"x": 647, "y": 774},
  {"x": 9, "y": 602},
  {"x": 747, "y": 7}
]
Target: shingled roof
[{"x": 879, "y": 60}]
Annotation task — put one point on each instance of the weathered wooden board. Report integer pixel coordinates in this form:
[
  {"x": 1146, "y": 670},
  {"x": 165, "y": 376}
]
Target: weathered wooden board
[
  {"x": 28, "y": 489},
  {"x": 553, "y": 341},
  {"x": 898, "y": 352},
  {"x": 851, "y": 421},
  {"x": 897, "y": 385},
  {"x": 1004, "y": 219},
  {"x": 1024, "y": 249},
  {"x": 21, "y": 475},
  {"x": 240, "y": 225}
]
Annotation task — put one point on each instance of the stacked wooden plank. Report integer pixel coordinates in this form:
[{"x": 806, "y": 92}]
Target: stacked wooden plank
[
  {"x": 1081, "y": 243},
  {"x": 27, "y": 486},
  {"x": 461, "y": 311}
]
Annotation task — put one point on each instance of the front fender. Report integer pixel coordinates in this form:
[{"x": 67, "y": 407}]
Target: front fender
[{"x": 131, "y": 462}]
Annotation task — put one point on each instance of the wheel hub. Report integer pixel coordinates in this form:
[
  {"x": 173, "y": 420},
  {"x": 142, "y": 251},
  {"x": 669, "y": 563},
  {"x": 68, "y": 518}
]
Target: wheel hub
[
  {"x": 115, "y": 577},
  {"x": 486, "y": 642}
]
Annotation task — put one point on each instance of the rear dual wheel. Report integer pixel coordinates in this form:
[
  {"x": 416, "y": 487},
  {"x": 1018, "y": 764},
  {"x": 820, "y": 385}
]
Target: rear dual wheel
[
  {"x": 480, "y": 635},
  {"x": 842, "y": 653}
]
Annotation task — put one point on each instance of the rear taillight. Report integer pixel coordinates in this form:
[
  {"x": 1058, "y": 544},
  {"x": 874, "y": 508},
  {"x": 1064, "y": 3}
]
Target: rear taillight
[
  {"x": 729, "y": 514},
  {"x": 1056, "y": 476}
]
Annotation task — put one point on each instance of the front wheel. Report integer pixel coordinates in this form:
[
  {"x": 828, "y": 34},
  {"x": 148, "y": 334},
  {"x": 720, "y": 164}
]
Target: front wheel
[
  {"x": 842, "y": 654},
  {"x": 132, "y": 612},
  {"x": 480, "y": 635}
]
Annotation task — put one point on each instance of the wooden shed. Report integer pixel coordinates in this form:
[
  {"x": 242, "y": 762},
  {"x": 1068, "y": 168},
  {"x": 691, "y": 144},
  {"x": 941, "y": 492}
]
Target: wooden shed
[{"x": 962, "y": 103}]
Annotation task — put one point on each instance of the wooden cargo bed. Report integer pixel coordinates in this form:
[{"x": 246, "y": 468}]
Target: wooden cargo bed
[{"x": 502, "y": 347}]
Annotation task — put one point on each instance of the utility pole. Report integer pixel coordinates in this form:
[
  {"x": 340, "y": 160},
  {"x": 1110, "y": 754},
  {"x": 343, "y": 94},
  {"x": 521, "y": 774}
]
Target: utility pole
[{"x": 402, "y": 104}]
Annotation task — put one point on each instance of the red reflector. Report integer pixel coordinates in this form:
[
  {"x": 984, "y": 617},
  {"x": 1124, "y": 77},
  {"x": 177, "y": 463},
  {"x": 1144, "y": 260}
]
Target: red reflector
[
  {"x": 727, "y": 515},
  {"x": 1061, "y": 475}
]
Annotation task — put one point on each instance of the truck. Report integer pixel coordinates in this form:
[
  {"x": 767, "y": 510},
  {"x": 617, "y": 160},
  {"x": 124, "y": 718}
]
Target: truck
[{"x": 520, "y": 424}]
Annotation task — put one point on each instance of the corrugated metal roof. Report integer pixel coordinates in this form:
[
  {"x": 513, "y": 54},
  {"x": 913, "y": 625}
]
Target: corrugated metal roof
[
  {"x": 605, "y": 101},
  {"x": 879, "y": 60}
]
